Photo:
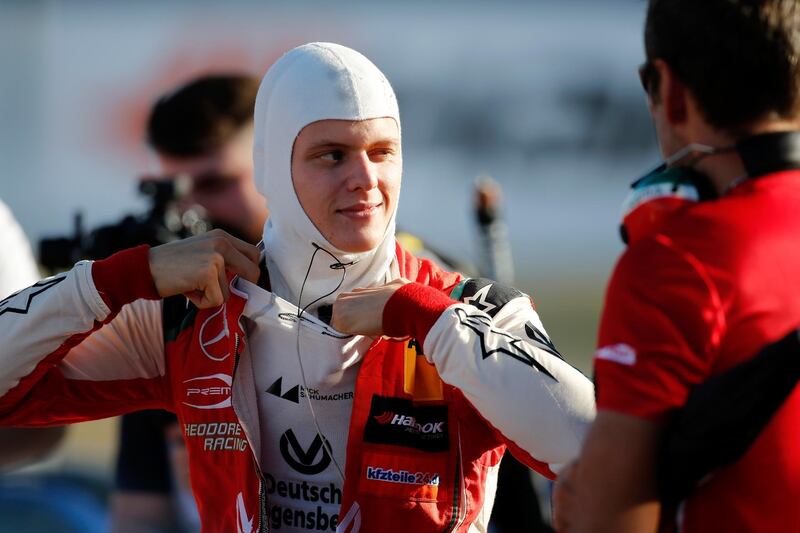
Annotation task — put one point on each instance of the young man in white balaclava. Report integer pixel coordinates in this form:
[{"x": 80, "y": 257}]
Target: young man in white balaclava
[{"x": 393, "y": 418}]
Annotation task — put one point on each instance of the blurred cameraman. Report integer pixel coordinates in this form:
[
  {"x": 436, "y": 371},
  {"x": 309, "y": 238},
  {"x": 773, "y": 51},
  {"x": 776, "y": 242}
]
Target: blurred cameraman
[{"x": 202, "y": 131}]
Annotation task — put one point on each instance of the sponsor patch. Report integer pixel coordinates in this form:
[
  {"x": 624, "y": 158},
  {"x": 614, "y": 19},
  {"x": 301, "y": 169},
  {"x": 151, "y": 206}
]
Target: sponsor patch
[
  {"x": 293, "y": 394},
  {"x": 304, "y": 504},
  {"x": 618, "y": 353},
  {"x": 377, "y": 473},
  {"x": 309, "y": 461},
  {"x": 217, "y": 436},
  {"x": 305, "y": 491},
  {"x": 401, "y": 475},
  {"x": 311, "y": 520},
  {"x": 318, "y": 396},
  {"x": 399, "y": 422},
  {"x": 208, "y": 392}
]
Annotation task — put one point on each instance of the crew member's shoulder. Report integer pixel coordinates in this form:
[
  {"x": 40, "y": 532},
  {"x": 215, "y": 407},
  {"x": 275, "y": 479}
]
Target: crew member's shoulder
[
  {"x": 657, "y": 261},
  {"x": 731, "y": 225}
]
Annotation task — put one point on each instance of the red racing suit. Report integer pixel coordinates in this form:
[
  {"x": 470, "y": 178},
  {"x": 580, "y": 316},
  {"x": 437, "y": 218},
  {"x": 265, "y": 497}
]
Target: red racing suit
[{"x": 91, "y": 343}]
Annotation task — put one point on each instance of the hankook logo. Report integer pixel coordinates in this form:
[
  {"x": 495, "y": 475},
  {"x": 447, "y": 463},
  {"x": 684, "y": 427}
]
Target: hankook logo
[
  {"x": 209, "y": 392},
  {"x": 384, "y": 418},
  {"x": 400, "y": 422},
  {"x": 214, "y": 336},
  {"x": 389, "y": 417},
  {"x": 309, "y": 461}
]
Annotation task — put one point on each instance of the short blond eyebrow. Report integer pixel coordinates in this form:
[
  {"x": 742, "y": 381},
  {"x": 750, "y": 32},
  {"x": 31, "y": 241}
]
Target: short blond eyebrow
[{"x": 325, "y": 143}]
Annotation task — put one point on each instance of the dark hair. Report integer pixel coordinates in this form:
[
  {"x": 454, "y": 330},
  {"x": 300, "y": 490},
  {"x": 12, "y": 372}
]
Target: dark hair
[
  {"x": 201, "y": 116},
  {"x": 739, "y": 58}
]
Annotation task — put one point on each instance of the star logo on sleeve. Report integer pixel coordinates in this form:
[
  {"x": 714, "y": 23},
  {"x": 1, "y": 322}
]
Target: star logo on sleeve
[
  {"x": 502, "y": 342},
  {"x": 40, "y": 287},
  {"x": 478, "y": 299}
]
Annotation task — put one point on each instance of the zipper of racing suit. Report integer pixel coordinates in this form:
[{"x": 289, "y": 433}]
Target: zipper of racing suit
[
  {"x": 263, "y": 525},
  {"x": 459, "y": 489}
]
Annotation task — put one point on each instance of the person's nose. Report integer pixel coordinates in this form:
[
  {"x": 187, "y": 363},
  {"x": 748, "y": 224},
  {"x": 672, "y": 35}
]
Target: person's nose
[{"x": 363, "y": 173}]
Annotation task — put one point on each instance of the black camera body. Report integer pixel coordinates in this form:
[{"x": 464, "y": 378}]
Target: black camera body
[{"x": 162, "y": 223}]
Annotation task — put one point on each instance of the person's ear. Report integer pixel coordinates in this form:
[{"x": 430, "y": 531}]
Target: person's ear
[{"x": 673, "y": 94}]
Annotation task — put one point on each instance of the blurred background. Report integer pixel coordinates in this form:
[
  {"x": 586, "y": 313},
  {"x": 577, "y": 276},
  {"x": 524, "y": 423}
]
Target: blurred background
[{"x": 541, "y": 95}]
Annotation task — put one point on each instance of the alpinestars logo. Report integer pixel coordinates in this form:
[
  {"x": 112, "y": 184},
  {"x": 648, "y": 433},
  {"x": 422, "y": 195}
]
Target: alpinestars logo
[
  {"x": 486, "y": 295},
  {"x": 309, "y": 461},
  {"x": 505, "y": 343},
  {"x": 479, "y": 299},
  {"x": 542, "y": 340},
  {"x": 427, "y": 428},
  {"x": 41, "y": 286}
]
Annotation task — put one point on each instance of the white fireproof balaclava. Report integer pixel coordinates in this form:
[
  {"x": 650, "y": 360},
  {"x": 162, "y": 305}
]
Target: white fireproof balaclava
[{"x": 313, "y": 82}]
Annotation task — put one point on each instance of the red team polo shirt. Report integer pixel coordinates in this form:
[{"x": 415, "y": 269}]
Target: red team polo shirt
[{"x": 715, "y": 285}]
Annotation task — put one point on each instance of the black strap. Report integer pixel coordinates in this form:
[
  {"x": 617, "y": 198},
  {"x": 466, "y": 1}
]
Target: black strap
[
  {"x": 770, "y": 152},
  {"x": 724, "y": 415}
]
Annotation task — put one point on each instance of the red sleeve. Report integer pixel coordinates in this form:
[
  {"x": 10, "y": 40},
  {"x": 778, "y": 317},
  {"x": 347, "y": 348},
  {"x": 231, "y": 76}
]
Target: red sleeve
[
  {"x": 413, "y": 310},
  {"x": 124, "y": 277},
  {"x": 660, "y": 328}
]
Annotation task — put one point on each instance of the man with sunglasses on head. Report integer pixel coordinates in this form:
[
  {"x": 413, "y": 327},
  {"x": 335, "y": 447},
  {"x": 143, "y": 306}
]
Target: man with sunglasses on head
[
  {"x": 714, "y": 277},
  {"x": 331, "y": 381}
]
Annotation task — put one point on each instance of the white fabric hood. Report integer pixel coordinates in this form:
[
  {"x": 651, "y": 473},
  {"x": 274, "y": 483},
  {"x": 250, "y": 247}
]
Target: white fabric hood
[{"x": 316, "y": 81}]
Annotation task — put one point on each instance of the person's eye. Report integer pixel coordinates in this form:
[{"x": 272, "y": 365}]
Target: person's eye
[
  {"x": 333, "y": 155},
  {"x": 212, "y": 184},
  {"x": 381, "y": 154}
]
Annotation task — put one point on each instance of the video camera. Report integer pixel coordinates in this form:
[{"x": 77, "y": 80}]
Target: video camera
[{"x": 162, "y": 223}]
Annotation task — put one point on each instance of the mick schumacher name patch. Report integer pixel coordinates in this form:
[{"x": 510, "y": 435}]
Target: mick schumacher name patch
[{"x": 399, "y": 422}]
